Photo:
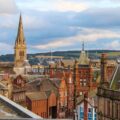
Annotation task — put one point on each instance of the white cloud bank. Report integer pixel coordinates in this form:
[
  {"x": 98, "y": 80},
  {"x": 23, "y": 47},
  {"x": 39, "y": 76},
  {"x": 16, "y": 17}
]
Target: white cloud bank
[
  {"x": 5, "y": 47},
  {"x": 8, "y": 7},
  {"x": 53, "y": 5},
  {"x": 88, "y": 35}
]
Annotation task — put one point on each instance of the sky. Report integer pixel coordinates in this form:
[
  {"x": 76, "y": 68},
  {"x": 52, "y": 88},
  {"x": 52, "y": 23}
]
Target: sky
[{"x": 59, "y": 25}]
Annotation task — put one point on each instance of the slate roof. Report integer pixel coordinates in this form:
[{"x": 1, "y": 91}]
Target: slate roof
[
  {"x": 37, "y": 95},
  {"x": 47, "y": 85},
  {"x": 42, "y": 85},
  {"x": 91, "y": 94},
  {"x": 33, "y": 85},
  {"x": 56, "y": 82},
  {"x": 116, "y": 78}
]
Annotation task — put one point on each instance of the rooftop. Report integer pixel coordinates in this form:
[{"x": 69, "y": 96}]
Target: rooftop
[
  {"x": 37, "y": 95},
  {"x": 10, "y": 109},
  {"x": 116, "y": 78},
  {"x": 7, "y": 112}
]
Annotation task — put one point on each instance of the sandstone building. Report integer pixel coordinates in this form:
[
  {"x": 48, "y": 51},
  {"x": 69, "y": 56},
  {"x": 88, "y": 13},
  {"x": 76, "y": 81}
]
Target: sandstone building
[
  {"x": 21, "y": 64},
  {"x": 108, "y": 94}
]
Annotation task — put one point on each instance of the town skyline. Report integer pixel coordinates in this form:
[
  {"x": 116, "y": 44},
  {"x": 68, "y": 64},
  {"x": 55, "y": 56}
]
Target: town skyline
[
  {"x": 60, "y": 25},
  {"x": 62, "y": 59}
]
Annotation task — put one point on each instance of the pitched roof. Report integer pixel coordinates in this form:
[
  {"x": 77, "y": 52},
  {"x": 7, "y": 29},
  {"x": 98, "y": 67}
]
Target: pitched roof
[
  {"x": 37, "y": 95},
  {"x": 42, "y": 85},
  {"x": 91, "y": 94},
  {"x": 33, "y": 85},
  {"x": 56, "y": 82},
  {"x": 83, "y": 60},
  {"x": 67, "y": 62},
  {"x": 116, "y": 78},
  {"x": 47, "y": 85}
]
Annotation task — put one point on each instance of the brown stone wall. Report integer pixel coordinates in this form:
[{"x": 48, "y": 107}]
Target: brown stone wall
[{"x": 108, "y": 108}]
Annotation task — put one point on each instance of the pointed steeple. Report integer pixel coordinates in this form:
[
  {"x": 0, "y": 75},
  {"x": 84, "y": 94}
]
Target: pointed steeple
[
  {"x": 20, "y": 45},
  {"x": 83, "y": 59},
  {"x": 20, "y": 40}
]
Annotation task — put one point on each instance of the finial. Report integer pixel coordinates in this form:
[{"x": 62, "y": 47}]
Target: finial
[
  {"x": 83, "y": 46},
  {"x": 20, "y": 17}
]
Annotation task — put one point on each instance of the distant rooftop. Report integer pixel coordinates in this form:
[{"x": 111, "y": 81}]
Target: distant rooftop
[{"x": 42, "y": 56}]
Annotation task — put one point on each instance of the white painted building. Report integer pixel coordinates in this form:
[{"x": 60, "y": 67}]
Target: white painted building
[{"x": 90, "y": 109}]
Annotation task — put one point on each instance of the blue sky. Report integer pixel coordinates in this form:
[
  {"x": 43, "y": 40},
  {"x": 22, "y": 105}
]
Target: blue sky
[{"x": 60, "y": 24}]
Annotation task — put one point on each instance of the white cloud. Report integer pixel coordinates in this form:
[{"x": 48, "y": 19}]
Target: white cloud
[
  {"x": 5, "y": 47},
  {"x": 53, "y": 5},
  {"x": 8, "y": 7},
  {"x": 70, "y": 6},
  {"x": 88, "y": 35},
  {"x": 115, "y": 44},
  {"x": 54, "y": 44}
]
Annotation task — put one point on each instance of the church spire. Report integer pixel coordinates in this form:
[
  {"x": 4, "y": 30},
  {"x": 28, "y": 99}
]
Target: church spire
[
  {"x": 20, "y": 40},
  {"x": 20, "y": 45}
]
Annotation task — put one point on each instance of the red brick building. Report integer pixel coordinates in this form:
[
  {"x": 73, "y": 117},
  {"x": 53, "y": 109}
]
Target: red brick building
[
  {"x": 18, "y": 93},
  {"x": 42, "y": 103},
  {"x": 83, "y": 74},
  {"x": 52, "y": 90},
  {"x": 79, "y": 77}
]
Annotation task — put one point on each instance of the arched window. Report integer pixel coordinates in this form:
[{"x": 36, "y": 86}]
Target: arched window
[{"x": 21, "y": 53}]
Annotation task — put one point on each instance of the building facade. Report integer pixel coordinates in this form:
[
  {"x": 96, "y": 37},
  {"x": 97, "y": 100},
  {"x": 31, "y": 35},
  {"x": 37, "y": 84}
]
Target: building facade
[
  {"x": 83, "y": 74},
  {"x": 108, "y": 104}
]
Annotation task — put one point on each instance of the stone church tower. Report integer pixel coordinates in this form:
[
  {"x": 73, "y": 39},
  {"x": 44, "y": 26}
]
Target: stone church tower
[
  {"x": 20, "y": 46},
  {"x": 21, "y": 64}
]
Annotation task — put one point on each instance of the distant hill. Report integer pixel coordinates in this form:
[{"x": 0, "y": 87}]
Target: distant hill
[{"x": 94, "y": 54}]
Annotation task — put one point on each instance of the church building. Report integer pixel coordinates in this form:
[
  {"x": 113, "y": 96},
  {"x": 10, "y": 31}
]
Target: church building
[{"x": 21, "y": 64}]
